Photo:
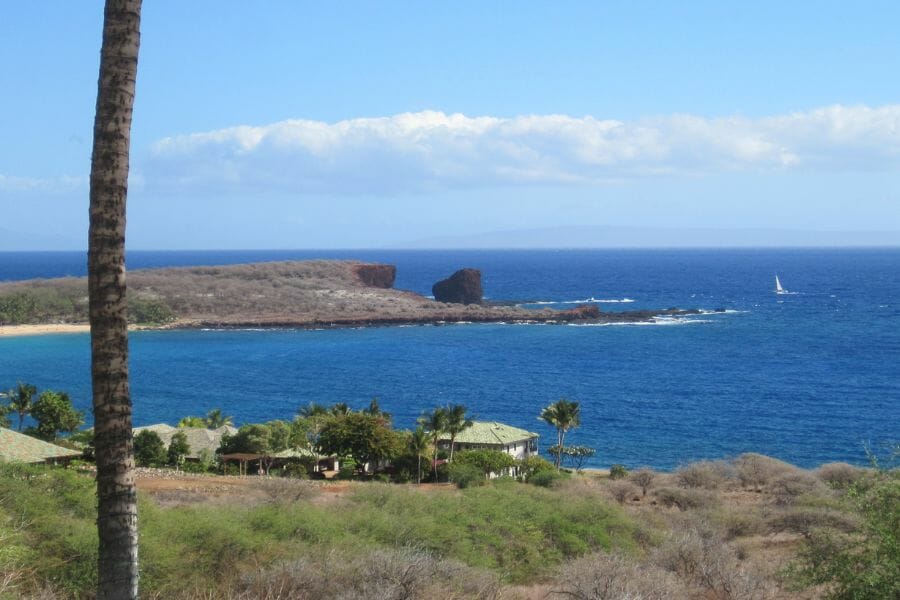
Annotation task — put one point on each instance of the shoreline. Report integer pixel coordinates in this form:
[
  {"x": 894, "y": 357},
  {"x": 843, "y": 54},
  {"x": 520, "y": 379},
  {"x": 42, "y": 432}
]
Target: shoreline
[
  {"x": 43, "y": 329},
  {"x": 629, "y": 317}
]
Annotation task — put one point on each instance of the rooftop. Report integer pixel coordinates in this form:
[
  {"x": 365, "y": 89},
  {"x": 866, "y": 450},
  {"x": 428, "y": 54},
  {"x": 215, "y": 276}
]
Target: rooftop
[
  {"x": 18, "y": 447},
  {"x": 490, "y": 432}
]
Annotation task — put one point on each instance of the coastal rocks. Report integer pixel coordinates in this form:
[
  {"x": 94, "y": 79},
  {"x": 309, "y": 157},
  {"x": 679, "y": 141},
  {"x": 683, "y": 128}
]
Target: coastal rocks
[
  {"x": 463, "y": 287},
  {"x": 579, "y": 313},
  {"x": 377, "y": 276}
]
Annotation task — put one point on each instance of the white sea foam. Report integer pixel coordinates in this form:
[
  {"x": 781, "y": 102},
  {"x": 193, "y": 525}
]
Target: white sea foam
[
  {"x": 727, "y": 311},
  {"x": 656, "y": 322},
  {"x": 590, "y": 300}
]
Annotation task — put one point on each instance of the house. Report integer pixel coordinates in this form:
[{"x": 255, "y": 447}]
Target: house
[
  {"x": 199, "y": 439},
  {"x": 18, "y": 447},
  {"x": 490, "y": 435}
]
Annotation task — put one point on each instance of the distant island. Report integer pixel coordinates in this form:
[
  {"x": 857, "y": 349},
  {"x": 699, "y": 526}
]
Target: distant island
[{"x": 295, "y": 294}]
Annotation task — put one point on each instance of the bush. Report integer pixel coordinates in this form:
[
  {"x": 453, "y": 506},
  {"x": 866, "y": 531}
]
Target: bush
[
  {"x": 701, "y": 557},
  {"x": 739, "y": 523},
  {"x": 643, "y": 478},
  {"x": 866, "y": 565},
  {"x": 705, "y": 474},
  {"x": 295, "y": 470},
  {"x": 547, "y": 478},
  {"x": 791, "y": 487},
  {"x": 149, "y": 449},
  {"x": 806, "y": 520},
  {"x": 347, "y": 470},
  {"x": 618, "y": 472},
  {"x": 756, "y": 471},
  {"x": 602, "y": 576},
  {"x": 148, "y": 310},
  {"x": 532, "y": 465},
  {"x": 465, "y": 475},
  {"x": 839, "y": 475},
  {"x": 685, "y": 499},
  {"x": 487, "y": 461},
  {"x": 406, "y": 573},
  {"x": 622, "y": 491}
]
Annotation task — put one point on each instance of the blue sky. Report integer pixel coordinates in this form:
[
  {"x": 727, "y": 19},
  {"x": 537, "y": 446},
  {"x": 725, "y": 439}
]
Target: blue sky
[{"x": 301, "y": 124}]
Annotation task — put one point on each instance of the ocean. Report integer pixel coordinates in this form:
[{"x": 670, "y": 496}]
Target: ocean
[{"x": 809, "y": 377}]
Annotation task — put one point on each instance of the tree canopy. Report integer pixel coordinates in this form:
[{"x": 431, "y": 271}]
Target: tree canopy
[
  {"x": 55, "y": 414},
  {"x": 365, "y": 437}
]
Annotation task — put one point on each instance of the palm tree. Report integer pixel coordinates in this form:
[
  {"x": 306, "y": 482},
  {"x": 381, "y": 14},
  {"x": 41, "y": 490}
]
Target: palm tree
[
  {"x": 375, "y": 410},
  {"x": 192, "y": 422},
  {"x": 435, "y": 423},
  {"x": 117, "y": 560},
  {"x": 457, "y": 422},
  {"x": 418, "y": 445},
  {"x": 313, "y": 409},
  {"x": 215, "y": 419},
  {"x": 563, "y": 415},
  {"x": 21, "y": 399},
  {"x": 341, "y": 409}
]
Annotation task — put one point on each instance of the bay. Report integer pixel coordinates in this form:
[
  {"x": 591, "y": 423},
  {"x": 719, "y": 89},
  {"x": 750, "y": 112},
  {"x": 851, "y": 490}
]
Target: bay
[{"x": 808, "y": 377}]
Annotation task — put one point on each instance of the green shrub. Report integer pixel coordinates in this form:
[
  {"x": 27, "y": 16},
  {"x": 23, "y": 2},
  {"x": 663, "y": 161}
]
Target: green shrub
[
  {"x": 347, "y": 470},
  {"x": 864, "y": 565},
  {"x": 547, "y": 479},
  {"x": 149, "y": 449},
  {"x": 618, "y": 472},
  {"x": 465, "y": 475},
  {"x": 486, "y": 461},
  {"x": 530, "y": 465},
  {"x": 296, "y": 470},
  {"x": 149, "y": 310}
]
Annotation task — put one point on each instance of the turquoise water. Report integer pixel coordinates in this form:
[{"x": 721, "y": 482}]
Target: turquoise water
[{"x": 808, "y": 377}]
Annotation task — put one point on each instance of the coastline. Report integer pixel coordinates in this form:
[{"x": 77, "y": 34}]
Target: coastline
[
  {"x": 356, "y": 322},
  {"x": 43, "y": 329}
]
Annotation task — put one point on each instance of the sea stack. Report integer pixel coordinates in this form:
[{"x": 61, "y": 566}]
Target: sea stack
[{"x": 463, "y": 287}]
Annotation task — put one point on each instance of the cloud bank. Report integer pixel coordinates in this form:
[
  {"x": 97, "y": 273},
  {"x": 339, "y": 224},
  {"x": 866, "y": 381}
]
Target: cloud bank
[{"x": 426, "y": 151}]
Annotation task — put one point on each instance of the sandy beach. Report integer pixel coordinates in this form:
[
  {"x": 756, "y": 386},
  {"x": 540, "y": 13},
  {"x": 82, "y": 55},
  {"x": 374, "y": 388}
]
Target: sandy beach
[{"x": 22, "y": 330}]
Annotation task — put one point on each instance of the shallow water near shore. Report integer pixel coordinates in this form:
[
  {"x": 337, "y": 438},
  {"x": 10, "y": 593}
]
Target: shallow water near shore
[{"x": 808, "y": 377}]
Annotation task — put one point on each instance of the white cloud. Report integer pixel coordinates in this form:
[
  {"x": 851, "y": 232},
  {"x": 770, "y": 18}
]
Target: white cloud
[{"x": 433, "y": 150}]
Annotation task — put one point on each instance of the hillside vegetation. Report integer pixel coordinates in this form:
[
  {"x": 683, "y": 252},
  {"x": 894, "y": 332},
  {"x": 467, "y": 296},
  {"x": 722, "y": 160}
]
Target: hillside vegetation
[{"x": 753, "y": 528}]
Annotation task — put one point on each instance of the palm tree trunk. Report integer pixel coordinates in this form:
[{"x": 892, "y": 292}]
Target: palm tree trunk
[
  {"x": 419, "y": 470},
  {"x": 117, "y": 500},
  {"x": 452, "y": 443}
]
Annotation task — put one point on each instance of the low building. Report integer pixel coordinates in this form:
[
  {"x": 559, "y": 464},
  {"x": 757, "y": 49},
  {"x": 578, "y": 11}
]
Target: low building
[
  {"x": 199, "y": 439},
  {"x": 490, "y": 435},
  {"x": 18, "y": 447}
]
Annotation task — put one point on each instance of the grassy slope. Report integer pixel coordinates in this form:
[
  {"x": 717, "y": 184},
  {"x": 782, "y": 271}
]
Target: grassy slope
[{"x": 521, "y": 532}]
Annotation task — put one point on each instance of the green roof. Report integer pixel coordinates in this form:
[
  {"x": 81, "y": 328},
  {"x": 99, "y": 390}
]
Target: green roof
[
  {"x": 18, "y": 447},
  {"x": 490, "y": 432}
]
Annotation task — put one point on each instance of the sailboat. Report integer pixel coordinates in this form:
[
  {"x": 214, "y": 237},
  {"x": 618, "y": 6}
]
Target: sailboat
[{"x": 778, "y": 288}]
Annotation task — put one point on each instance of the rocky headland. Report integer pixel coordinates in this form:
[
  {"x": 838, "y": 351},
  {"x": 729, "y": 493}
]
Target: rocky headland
[{"x": 304, "y": 294}]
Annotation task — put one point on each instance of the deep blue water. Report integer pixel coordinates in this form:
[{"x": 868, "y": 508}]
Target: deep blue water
[{"x": 808, "y": 377}]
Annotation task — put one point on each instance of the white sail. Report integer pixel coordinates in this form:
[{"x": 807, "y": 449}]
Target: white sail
[{"x": 778, "y": 288}]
